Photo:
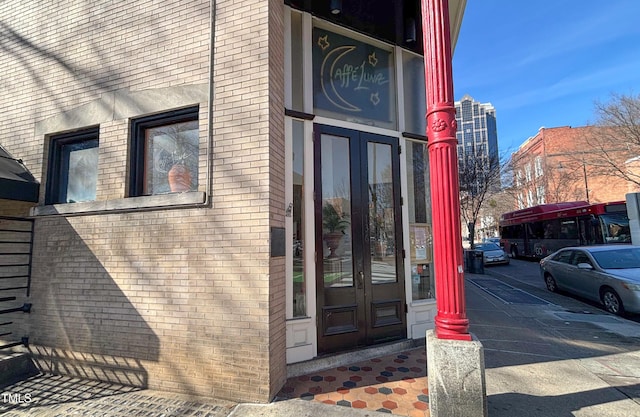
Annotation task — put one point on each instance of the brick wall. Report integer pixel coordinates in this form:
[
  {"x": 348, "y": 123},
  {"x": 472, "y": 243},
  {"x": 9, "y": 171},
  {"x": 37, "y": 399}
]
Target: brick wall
[
  {"x": 567, "y": 154},
  {"x": 184, "y": 299}
]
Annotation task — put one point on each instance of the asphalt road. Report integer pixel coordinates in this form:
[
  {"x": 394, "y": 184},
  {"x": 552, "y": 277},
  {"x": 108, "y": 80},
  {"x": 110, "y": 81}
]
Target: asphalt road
[{"x": 525, "y": 275}]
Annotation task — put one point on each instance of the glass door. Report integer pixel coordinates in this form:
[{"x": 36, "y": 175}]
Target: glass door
[{"x": 360, "y": 282}]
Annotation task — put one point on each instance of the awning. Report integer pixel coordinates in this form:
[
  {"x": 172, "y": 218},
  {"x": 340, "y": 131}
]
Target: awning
[{"x": 16, "y": 182}]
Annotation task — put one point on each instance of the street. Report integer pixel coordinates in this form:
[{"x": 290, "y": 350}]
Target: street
[{"x": 525, "y": 275}]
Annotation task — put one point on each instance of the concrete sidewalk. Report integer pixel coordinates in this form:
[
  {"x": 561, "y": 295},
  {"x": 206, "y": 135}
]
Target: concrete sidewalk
[
  {"x": 544, "y": 360},
  {"x": 541, "y": 360}
]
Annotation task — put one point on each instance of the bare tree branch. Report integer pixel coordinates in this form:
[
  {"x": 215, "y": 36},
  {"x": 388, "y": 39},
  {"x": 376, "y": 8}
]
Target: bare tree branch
[
  {"x": 479, "y": 177},
  {"x": 610, "y": 149}
]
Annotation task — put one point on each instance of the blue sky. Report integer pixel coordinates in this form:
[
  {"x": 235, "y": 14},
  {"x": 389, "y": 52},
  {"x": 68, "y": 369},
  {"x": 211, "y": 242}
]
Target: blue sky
[{"x": 545, "y": 62}]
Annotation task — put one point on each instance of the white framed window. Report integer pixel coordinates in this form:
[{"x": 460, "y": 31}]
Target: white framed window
[
  {"x": 540, "y": 192},
  {"x": 538, "y": 167},
  {"x": 530, "y": 199},
  {"x": 527, "y": 172}
]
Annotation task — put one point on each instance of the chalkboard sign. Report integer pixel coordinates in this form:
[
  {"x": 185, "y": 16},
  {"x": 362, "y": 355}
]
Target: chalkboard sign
[{"x": 350, "y": 77}]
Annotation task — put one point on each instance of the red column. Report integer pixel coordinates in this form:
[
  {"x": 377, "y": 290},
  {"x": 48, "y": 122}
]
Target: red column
[{"x": 451, "y": 321}]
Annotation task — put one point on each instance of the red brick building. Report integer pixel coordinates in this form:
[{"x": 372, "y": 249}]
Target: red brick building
[{"x": 561, "y": 164}]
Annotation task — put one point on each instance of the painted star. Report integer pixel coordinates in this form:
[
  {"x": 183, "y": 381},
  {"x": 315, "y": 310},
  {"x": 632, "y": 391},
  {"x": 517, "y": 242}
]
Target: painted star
[
  {"x": 375, "y": 99},
  {"x": 373, "y": 61},
  {"x": 323, "y": 42}
]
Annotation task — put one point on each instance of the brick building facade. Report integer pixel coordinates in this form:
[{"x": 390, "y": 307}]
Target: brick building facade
[
  {"x": 210, "y": 289},
  {"x": 557, "y": 164}
]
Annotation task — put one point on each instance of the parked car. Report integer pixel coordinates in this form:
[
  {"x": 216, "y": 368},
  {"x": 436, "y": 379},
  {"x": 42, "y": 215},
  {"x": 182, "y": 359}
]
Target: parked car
[
  {"x": 495, "y": 240},
  {"x": 606, "y": 274},
  {"x": 492, "y": 253}
]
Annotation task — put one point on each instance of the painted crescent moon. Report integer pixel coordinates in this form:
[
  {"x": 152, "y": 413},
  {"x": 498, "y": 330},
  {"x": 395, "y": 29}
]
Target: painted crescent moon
[{"x": 336, "y": 99}]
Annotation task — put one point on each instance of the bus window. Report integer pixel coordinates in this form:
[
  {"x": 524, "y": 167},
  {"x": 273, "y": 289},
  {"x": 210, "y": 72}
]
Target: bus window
[
  {"x": 568, "y": 229},
  {"x": 536, "y": 230},
  {"x": 540, "y": 230},
  {"x": 616, "y": 228},
  {"x": 589, "y": 231},
  {"x": 550, "y": 229}
]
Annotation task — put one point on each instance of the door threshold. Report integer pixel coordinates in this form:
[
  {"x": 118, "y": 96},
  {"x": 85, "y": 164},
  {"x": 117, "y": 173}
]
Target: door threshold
[{"x": 333, "y": 360}]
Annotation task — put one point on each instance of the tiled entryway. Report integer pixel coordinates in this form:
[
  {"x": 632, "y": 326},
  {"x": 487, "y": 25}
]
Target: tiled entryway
[{"x": 395, "y": 384}]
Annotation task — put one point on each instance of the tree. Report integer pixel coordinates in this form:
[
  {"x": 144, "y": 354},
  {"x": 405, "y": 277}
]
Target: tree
[
  {"x": 479, "y": 177},
  {"x": 614, "y": 147}
]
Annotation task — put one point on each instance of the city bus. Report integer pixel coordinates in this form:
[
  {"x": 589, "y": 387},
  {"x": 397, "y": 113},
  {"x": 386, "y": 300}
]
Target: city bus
[{"x": 538, "y": 231}]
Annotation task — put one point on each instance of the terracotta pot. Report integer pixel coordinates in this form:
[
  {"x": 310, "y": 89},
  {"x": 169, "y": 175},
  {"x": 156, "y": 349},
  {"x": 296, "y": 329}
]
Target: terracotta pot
[
  {"x": 179, "y": 178},
  {"x": 332, "y": 239}
]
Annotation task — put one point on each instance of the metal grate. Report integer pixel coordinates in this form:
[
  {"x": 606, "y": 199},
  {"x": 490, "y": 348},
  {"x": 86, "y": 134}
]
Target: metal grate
[{"x": 16, "y": 248}]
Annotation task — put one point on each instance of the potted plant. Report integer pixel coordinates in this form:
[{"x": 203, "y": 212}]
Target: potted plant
[
  {"x": 179, "y": 176},
  {"x": 334, "y": 224}
]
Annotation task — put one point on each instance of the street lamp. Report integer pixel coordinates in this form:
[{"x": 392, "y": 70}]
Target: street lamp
[
  {"x": 584, "y": 176},
  {"x": 586, "y": 185}
]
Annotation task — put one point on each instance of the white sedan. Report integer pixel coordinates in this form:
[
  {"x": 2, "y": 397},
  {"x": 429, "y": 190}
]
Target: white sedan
[
  {"x": 492, "y": 253},
  {"x": 609, "y": 274}
]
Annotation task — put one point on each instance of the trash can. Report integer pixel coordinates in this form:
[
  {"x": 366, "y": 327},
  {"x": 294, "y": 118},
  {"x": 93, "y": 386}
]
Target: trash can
[{"x": 474, "y": 260}]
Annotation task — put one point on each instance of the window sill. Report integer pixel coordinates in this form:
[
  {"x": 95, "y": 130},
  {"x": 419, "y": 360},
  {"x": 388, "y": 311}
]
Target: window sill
[{"x": 154, "y": 202}]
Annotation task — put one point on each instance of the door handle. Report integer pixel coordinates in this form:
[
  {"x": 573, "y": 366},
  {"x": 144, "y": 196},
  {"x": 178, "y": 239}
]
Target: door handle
[{"x": 360, "y": 280}]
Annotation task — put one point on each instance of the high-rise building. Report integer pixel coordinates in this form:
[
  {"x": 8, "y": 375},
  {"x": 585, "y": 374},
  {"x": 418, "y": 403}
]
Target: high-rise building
[{"x": 477, "y": 132}]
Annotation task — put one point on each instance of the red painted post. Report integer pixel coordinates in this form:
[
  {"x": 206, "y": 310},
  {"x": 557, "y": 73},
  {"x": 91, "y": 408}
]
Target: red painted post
[{"x": 451, "y": 320}]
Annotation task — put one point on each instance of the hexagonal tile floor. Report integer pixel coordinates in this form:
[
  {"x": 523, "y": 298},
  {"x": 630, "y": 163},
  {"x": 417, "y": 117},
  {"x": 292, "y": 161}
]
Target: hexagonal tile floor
[{"x": 394, "y": 384}]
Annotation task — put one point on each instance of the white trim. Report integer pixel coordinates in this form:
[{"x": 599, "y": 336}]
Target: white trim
[
  {"x": 288, "y": 96},
  {"x": 288, "y": 220},
  {"x": 309, "y": 235}
]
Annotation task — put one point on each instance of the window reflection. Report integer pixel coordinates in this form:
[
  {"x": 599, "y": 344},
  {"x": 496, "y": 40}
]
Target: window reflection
[
  {"x": 382, "y": 234},
  {"x": 299, "y": 278},
  {"x": 83, "y": 172},
  {"x": 336, "y": 212},
  {"x": 420, "y": 237},
  {"x": 73, "y": 167}
]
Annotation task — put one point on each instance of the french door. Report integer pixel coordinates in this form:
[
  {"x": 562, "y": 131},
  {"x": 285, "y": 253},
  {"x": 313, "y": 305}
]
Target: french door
[{"x": 359, "y": 254}]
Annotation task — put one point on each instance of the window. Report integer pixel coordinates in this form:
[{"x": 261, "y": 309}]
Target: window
[
  {"x": 73, "y": 167},
  {"x": 420, "y": 237},
  {"x": 415, "y": 102},
  {"x": 541, "y": 194},
  {"x": 165, "y": 150},
  {"x": 564, "y": 256},
  {"x": 527, "y": 172},
  {"x": 518, "y": 178},
  {"x": 358, "y": 85},
  {"x": 581, "y": 258},
  {"x": 538, "y": 167},
  {"x": 298, "y": 207},
  {"x": 520, "y": 201}
]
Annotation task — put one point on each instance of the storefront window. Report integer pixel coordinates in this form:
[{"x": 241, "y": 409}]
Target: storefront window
[
  {"x": 420, "y": 237},
  {"x": 299, "y": 279},
  {"x": 415, "y": 106},
  {"x": 353, "y": 79}
]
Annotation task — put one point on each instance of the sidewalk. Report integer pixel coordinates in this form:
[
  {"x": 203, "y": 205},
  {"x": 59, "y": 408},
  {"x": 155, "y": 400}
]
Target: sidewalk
[{"x": 540, "y": 359}]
